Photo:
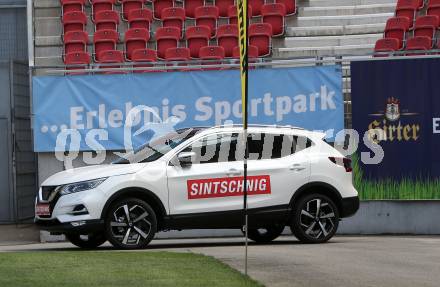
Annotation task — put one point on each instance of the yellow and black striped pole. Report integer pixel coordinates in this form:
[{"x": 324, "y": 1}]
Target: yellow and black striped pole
[{"x": 242, "y": 8}]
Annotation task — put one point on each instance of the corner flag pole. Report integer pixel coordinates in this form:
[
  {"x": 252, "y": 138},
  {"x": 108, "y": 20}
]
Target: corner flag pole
[{"x": 242, "y": 9}]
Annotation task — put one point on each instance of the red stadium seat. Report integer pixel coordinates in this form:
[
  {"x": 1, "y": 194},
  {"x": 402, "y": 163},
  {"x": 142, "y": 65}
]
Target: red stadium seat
[
  {"x": 232, "y": 14},
  {"x": 290, "y": 6},
  {"x": 433, "y": 3},
  {"x": 256, "y": 7},
  {"x": 74, "y": 21},
  {"x": 426, "y": 26},
  {"x": 418, "y": 43},
  {"x": 191, "y": 6},
  {"x": 223, "y": 6},
  {"x": 109, "y": 57},
  {"x": 106, "y": 20},
  {"x": 227, "y": 37},
  {"x": 273, "y": 14},
  {"x": 260, "y": 35},
  {"x": 77, "y": 58},
  {"x": 212, "y": 53},
  {"x": 196, "y": 38},
  {"x": 159, "y": 5},
  {"x": 135, "y": 38},
  {"x": 434, "y": 10},
  {"x": 75, "y": 41},
  {"x": 128, "y": 5},
  {"x": 72, "y": 6},
  {"x": 177, "y": 54},
  {"x": 386, "y": 45},
  {"x": 140, "y": 18},
  {"x": 145, "y": 56},
  {"x": 207, "y": 15},
  {"x": 409, "y": 13},
  {"x": 396, "y": 27},
  {"x": 104, "y": 40},
  {"x": 414, "y": 4},
  {"x": 101, "y": 5},
  {"x": 173, "y": 17},
  {"x": 166, "y": 37},
  {"x": 252, "y": 52}
]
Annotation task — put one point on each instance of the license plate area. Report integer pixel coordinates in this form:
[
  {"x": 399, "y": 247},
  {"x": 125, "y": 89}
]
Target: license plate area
[{"x": 42, "y": 209}]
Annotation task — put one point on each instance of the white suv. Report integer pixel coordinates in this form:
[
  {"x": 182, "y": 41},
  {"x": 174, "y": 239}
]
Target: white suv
[{"x": 193, "y": 179}]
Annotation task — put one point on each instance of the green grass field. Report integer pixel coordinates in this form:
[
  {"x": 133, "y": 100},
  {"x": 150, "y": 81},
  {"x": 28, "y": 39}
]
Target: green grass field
[
  {"x": 388, "y": 189},
  {"x": 84, "y": 269}
]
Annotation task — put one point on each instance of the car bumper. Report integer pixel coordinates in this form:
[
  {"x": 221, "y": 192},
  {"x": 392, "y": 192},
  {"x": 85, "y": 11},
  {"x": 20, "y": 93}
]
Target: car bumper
[
  {"x": 74, "y": 227},
  {"x": 349, "y": 206}
]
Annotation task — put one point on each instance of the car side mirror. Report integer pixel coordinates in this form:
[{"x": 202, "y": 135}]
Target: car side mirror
[{"x": 185, "y": 158}]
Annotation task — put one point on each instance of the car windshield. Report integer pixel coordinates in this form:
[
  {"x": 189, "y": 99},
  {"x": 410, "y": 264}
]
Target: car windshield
[{"x": 157, "y": 148}]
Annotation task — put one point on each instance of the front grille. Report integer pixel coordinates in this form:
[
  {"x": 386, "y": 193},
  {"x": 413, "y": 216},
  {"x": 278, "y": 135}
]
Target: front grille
[{"x": 47, "y": 191}]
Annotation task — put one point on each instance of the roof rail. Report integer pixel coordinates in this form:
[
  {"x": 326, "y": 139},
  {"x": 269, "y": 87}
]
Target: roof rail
[{"x": 258, "y": 126}]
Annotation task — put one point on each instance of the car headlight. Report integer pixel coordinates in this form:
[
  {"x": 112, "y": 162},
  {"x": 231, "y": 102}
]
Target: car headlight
[{"x": 80, "y": 186}]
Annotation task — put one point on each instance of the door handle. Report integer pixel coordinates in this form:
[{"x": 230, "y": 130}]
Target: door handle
[
  {"x": 297, "y": 167},
  {"x": 232, "y": 172}
]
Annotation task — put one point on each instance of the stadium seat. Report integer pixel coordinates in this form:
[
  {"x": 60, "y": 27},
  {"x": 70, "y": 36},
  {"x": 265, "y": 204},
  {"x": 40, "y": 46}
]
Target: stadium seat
[
  {"x": 111, "y": 56},
  {"x": 426, "y": 26},
  {"x": 260, "y": 35},
  {"x": 166, "y": 37},
  {"x": 140, "y": 18},
  {"x": 290, "y": 6},
  {"x": 128, "y": 5},
  {"x": 101, "y": 5},
  {"x": 177, "y": 54},
  {"x": 421, "y": 43},
  {"x": 75, "y": 41},
  {"x": 227, "y": 37},
  {"x": 414, "y": 4},
  {"x": 196, "y": 38},
  {"x": 232, "y": 14},
  {"x": 212, "y": 53},
  {"x": 145, "y": 56},
  {"x": 252, "y": 52},
  {"x": 207, "y": 15},
  {"x": 433, "y": 3},
  {"x": 191, "y": 6},
  {"x": 106, "y": 20},
  {"x": 173, "y": 17},
  {"x": 77, "y": 58},
  {"x": 434, "y": 10},
  {"x": 409, "y": 13},
  {"x": 135, "y": 38},
  {"x": 104, "y": 40},
  {"x": 74, "y": 21},
  {"x": 159, "y": 5},
  {"x": 72, "y": 6},
  {"x": 273, "y": 14},
  {"x": 385, "y": 46},
  {"x": 223, "y": 6},
  {"x": 256, "y": 7},
  {"x": 396, "y": 27}
]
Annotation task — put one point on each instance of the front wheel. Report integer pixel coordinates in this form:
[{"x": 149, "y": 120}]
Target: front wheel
[
  {"x": 89, "y": 241},
  {"x": 315, "y": 219},
  {"x": 130, "y": 224},
  {"x": 266, "y": 234}
]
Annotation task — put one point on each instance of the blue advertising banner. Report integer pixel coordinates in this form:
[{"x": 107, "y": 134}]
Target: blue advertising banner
[
  {"x": 400, "y": 100},
  {"x": 309, "y": 97}
]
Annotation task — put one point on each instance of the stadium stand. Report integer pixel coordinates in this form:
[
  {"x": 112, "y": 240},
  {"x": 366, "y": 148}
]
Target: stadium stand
[
  {"x": 173, "y": 17},
  {"x": 104, "y": 40},
  {"x": 72, "y": 6},
  {"x": 135, "y": 38},
  {"x": 207, "y": 15},
  {"x": 274, "y": 14},
  {"x": 75, "y": 41},
  {"x": 196, "y": 38},
  {"x": 106, "y": 19},
  {"x": 100, "y": 6},
  {"x": 227, "y": 37},
  {"x": 191, "y": 6},
  {"x": 159, "y": 5},
  {"x": 140, "y": 18},
  {"x": 166, "y": 37}
]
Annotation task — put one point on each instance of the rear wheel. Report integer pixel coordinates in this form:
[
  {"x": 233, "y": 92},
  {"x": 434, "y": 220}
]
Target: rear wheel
[
  {"x": 130, "y": 224},
  {"x": 265, "y": 234},
  {"x": 315, "y": 219},
  {"x": 89, "y": 241}
]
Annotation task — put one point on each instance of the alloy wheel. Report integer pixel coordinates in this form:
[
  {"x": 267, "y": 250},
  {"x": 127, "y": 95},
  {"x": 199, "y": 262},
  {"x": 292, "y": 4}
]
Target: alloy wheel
[{"x": 317, "y": 218}]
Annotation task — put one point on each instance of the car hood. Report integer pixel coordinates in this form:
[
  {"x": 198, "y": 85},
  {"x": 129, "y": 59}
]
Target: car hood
[{"x": 91, "y": 172}]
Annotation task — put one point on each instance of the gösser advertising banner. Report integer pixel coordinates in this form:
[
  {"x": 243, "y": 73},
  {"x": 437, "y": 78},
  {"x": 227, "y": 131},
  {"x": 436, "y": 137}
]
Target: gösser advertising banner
[
  {"x": 309, "y": 97},
  {"x": 398, "y": 102}
]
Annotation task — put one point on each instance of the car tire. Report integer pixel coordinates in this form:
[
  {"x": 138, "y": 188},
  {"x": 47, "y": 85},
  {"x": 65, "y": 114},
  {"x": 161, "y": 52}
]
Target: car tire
[
  {"x": 130, "y": 224},
  {"x": 89, "y": 241},
  {"x": 315, "y": 218},
  {"x": 266, "y": 234}
]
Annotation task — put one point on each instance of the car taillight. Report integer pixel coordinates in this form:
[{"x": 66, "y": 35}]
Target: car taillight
[{"x": 342, "y": 161}]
